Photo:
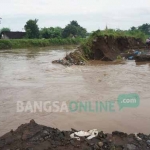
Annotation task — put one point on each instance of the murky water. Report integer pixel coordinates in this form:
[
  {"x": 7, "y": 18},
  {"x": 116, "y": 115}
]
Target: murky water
[{"x": 29, "y": 75}]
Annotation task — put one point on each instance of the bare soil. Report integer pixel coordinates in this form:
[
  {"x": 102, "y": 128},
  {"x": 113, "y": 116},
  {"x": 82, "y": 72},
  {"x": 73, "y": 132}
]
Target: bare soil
[{"x": 32, "y": 136}]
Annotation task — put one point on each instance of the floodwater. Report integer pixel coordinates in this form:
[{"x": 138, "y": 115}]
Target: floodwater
[{"x": 28, "y": 75}]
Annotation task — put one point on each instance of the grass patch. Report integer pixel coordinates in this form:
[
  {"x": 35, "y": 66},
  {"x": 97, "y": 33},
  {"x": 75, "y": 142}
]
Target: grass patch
[{"x": 25, "y": 43}]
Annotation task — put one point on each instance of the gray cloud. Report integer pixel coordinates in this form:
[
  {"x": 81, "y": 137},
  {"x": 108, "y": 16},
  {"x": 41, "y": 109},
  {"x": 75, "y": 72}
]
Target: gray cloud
[{"x": 92, "y": 15}]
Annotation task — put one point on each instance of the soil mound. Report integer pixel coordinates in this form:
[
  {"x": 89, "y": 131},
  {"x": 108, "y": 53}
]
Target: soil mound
[
  {"x": 33, "y": 136},
  {"x": 108, "y": 47},
  {"x": 105, "y": 48}
]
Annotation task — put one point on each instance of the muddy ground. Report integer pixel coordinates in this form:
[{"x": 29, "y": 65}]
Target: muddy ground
[{"x": 32, "y": 136}]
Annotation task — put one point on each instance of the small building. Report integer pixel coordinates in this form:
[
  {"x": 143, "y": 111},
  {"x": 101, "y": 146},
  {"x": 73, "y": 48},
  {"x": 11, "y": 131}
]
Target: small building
[{"x": 12, "y": 35}]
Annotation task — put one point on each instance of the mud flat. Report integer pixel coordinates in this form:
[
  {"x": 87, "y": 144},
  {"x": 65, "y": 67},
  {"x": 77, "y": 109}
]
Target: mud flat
[{"x": 32, "y": 136}]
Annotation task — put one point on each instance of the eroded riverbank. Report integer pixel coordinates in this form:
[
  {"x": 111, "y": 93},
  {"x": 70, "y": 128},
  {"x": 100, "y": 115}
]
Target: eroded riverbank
[{"x": 29, "y": 75}]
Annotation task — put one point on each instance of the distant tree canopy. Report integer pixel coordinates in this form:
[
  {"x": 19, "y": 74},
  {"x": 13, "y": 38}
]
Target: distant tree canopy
[
  {"x": 32, "y": 29},
  {"x": 71, "y": 30},
  {"x": 4, "y": 29},
  {"x": 133, "y": 28},
  {"x": 51, "y": 32},
  {"x": 145, "y": 28},
  {"x": 74, "y": 29}
]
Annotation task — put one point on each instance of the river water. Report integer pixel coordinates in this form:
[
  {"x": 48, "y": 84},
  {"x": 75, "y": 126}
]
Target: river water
[{"x": 28, "y": 75}]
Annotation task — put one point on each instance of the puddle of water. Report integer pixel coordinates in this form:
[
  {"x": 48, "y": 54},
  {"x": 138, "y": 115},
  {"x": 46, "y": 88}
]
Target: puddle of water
[{"x": 29, "y": 75}]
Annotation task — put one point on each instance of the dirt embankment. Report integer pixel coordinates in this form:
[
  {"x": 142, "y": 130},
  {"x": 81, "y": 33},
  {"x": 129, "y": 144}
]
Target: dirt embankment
[
  {"x": 105, "y": 48},
  {"x": 32, "y": 136},
  {"x": 108, "y": 47}
]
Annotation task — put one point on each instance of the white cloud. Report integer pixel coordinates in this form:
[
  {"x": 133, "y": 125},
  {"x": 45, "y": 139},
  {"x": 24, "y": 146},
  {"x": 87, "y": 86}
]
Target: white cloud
[{"x": 92, "y": 14}]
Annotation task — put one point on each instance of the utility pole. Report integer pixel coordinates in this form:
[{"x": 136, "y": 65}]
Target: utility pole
[{"x": 0, "y": 20}]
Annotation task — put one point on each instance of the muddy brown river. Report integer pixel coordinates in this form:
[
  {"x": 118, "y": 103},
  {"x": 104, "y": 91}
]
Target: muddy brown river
[{"x": 29, "y": 75}]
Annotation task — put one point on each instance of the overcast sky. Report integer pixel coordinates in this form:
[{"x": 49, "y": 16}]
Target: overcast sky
[{"x": 91, "y": 14}]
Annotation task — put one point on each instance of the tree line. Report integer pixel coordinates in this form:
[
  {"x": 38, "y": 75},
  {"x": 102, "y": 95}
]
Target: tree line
[{"x": 73, "y": 30}]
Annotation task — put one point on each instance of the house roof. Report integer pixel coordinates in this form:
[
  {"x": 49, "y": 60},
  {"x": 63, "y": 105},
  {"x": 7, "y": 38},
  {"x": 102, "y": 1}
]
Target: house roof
[{"x": 14, "y": 35}]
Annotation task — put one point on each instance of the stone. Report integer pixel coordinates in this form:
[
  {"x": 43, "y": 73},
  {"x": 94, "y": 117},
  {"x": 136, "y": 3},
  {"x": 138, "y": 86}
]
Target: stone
[
  {"x": 131, "y": 146},
  {"x": 148, "y": 142},
  {"x": 100, "y": 144}
]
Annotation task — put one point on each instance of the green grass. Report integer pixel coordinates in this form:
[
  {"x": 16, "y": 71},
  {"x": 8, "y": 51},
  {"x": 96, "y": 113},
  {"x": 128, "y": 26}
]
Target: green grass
[
  {"x": 121, "y": 33},
  {"x": 25, "y": 43}
]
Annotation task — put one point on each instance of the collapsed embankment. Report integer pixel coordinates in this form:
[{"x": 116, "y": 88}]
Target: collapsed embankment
[
  {"x": 109, "y": 47},
  {"x": 105, "y": 48},
  {"x": 33, "y": 136}
]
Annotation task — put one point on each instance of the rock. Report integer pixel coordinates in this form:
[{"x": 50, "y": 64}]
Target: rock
[
  {"x": 55, "y": 61},
  {"x": 72, "y": 143},
  {"x": 100, "y": 144},
  {"x": 45, "y": 132},
  {"x": 32, "y": 122},
  {"x": 2, "y": 143},
  {"x": 74, "y": 130},
  {"x": 91, "y": 144},
  {"x": 101, "y": 135},
  {"x": 118, "y": 148},
  {"x": 96, "y": 147},
  {"x": 131, "y": 146},
  {"x": 120, "y": 134},
  {"x": 106, "y": 145},
  {"x": 148, "y": 142},
  {"x": 30, "y": 148}
]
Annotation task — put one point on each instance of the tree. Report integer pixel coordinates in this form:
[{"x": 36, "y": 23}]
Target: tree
[
  {"x": 145, "y": 28},
  {"x": 74, "y": 23},
  {"x": 69, "y": 30},
  {"x": 133, "y": 28},
  {"x": 5, "y": 29},
  {"x": 32, "y": 29},
  {"x": 58, "y": 32},
  {"x": 44, "y": 33},
  {"x": 74, "y": 29},
  {"x": 51, "y": 32}
]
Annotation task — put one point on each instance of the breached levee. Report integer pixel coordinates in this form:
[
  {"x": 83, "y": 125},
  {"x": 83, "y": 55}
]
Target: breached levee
[
  {"x": 104, "y": 48},
  {"x": 109, "y": 47},
  {"x": 32, "y": 136}
]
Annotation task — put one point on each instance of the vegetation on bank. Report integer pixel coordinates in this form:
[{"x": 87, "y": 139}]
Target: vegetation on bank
[
  {"x": 32, "y": 30},
  {"x": 25, "y": 43},
  {"x": 135, "y": 33},
  {"x": 73, "y": 33},
  {"x": 121, "y": 33}
]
